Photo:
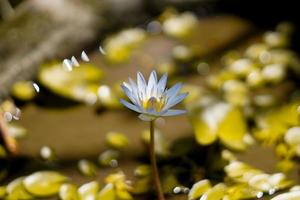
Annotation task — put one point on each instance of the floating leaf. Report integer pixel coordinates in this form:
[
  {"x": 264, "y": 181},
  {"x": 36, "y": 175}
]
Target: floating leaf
[
  {"x": 80, "y": 84},
  {"x": 23, "y": 90},
  {"x": 16, "y": 190},
  {"x": 118, "y": 48},
  {"x": 295, "y": 195},
  {"x": 180, "y": 26},
  {"x": 279, "y": 181},
  {"x": 274, "y": 73},
  {"x": 221, "y": 120},
  {"x": 292, "y": 136},
  {"x": 198, "y": 189},
  {"x": 295, "y": 188},
  {"x": 87, "y": 167},
  {"x": 236, "y": 92},
  {"x": 260, "y": 182},
  {"x": 204, "y": 135},
  {"x": 89, "y": 190},
  {"x": 118, "y": 180},
  {"x": 107, "y": 193},
  {"x": 233, "y": 129},
  {"x": 240, "y": 171},
  {"x": 285, "y": 165},
  {"x": 242, "y": 67},
  {"x": 108, "y": 158},
  {"x": 68, "y": 191},
  {"x": 44, "y": 183},
  {"x": 117, "y": 140},
  {"x": 242, "y": 191},
  {"x": 215, "y": 193}
]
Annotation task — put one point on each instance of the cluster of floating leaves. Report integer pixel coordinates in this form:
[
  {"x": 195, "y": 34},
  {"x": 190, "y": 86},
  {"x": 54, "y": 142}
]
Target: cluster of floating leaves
[
  {"x": 9, "y": 127},
  {"x": 49, "y": 183},
  {"x": 242, "y": 182},
  {"x": 280, "y": 127}
]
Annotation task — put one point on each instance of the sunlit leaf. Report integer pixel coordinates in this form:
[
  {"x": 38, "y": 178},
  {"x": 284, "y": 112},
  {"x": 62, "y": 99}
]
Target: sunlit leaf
[
  {"x": 87, "y": 167},
  {"x": 107, "y": 193},
  {"x": 68, "y": 191},
  {"x": 80, "y": 84},
  {"x": 198, "y": 189},
  {"x": 118, "y": 48},
  {"x": 108, "y": 158},
  {"x": 215, "y": 193},
  {"x": 295, "y": 195},
  {"x": 23, "y": 90},
  {"x": 117, "y": 140},
  {"x": 221, "y": 120},
  {"x": 89, "y": 190},
  {"x": 233, "y": 129},
  {"x": 16, "y": 190},
  {"x": 44, "y": 183},
  {"x": 242, "y": 191}
]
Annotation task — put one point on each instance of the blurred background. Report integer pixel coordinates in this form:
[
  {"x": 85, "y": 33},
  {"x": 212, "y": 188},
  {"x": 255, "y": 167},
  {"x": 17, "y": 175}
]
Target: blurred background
[{"x": 61, "y": 66}]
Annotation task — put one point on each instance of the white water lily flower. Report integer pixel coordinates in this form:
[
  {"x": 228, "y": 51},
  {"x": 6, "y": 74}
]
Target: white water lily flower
[{"x": 152, "y": 100}]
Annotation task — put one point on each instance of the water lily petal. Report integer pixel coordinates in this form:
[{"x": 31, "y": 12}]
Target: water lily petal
[
  {"x": 175, "y": 100},
  {"x": 161, "y": 85},
  {"x": 129, "y": 94},
  {"x": 127, "y": 85},
  {"x": 173, "y": 91},
  {"x": 130, "y": 106},
  {"x": 134, "y": 88},
  {"x": 152, "y": 85},
  {"x": 174, "y": 112},
  {"x": 142, "y": 85}
]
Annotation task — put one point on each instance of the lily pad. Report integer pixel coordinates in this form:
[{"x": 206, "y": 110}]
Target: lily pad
[
  {"x": 79, "y": 84},
  {"x": 16, "y": 190},
  {"x": 44, "y": 183},
  {"x": 68, "y": 192},
  {"x": 198, "y": 189},
  {"x": 89, "y": 190}
]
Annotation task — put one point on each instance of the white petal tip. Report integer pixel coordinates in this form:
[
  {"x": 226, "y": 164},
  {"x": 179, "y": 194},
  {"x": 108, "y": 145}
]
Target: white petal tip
[
  {"x": 84, "y": 56},
  {"x": 102, "y": 50},
  {"x": 67, "y": 65},
  {"x": 74, "y": 61}
]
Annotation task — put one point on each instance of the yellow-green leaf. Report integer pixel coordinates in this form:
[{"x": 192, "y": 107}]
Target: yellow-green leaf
[
  {"x": 89, "y": 190},
  {"x": 233, "y": 129},
  {"x": 107, "y": 193},
  {"x": 44, "y": 183},
  {"x": 16, "y": 190},
  {"x": 198, "y": 189},
  {"x": 68, "y": 191}
]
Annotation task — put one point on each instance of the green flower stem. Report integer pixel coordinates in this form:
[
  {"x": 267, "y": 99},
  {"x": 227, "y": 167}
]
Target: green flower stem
[{"x": 156, "y": 179}]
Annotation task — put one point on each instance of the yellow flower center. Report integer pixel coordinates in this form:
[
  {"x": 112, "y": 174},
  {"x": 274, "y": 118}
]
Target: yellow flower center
[{"x": 154, "y": 103}]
